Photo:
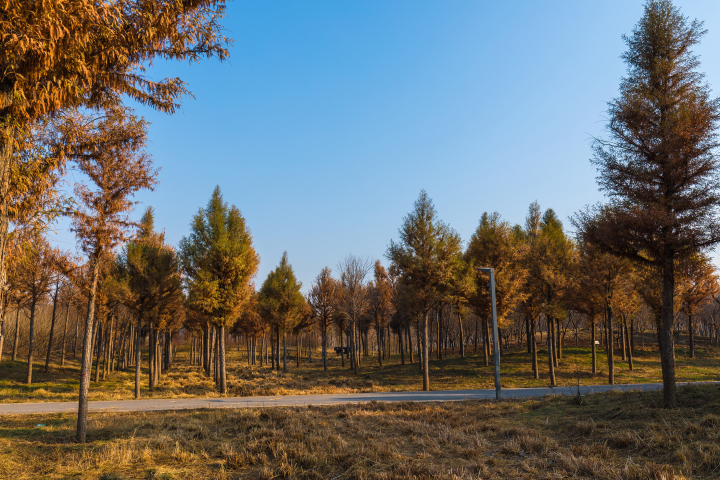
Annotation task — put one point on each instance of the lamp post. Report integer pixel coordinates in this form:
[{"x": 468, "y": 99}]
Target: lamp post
[{"x": 496, "y": 341}]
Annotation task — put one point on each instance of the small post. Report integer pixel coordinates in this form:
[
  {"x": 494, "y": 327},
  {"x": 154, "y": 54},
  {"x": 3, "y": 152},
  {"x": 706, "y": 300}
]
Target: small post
[{"x": 496, "y": 339}]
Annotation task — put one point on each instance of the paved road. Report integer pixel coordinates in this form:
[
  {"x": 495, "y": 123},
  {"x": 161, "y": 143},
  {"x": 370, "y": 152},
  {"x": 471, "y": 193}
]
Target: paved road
[{"x": 303, "y": 400}]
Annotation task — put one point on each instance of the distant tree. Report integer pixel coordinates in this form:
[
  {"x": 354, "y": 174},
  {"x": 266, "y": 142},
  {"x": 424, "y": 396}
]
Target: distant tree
[
  {"x": 602, "y": 274},
  {"x": 150, "y": 272},
  {"x": 323, "y": 300},
  {"x": 494, "y": 245},
  {"x": 702, "y": 286},
  {"x": 35, "y": 274},
  {"x": 117, "y": 171},
  {"x": 282, "y": 302},
  {"x": 353, "y": 301},
  {"x": 659, "y": 165},
  {"x": 424, "y": 256},
  {"x": 550, "y": 257},
  {"x": 380, "y": 303},
  {"x": 60, "y": 55},
  {"x": 220, "y": 263}
]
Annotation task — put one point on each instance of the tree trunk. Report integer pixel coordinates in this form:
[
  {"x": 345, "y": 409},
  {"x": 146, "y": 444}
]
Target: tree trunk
[
  {"x": 594, "y": 349},
  {"x": 610, "y": 344},
  {"x": 52, "y": 328},
  {"x": 527, "y": 332},
  {"x": 32, "y": 340},
  {"x": 379, "y": 350},
  {"x": 324, "y": 346},
  {"x": 221, "y": 361},
  {"x": 551, "y": 349},
  {"x": 425, "y": 355},
  {"x": 284, "y": 335},
  {"x": 87, "y": 355},
  {"x": 533, "y": 345},
  {"x": 64, "y": 340},
  {"x": 667, "y": 355},
  {"x": 558, "y": 342},
  {"x": 691, "y": 336},
  {"x": 151, "y": 353},
  {"x": 17, "y": 334},
  {"x": 98, "y": 346},
  {"x": 401, "y": 346},
  {"x": 408, "y": 341},
  {"x": 138, "y": 359},
  {"x": 462, "y": 337},
  {"x": 7, "y": 96},
  {"x": 486, "y": 346},
  {"x": 440, "y": 332},
  {"x": 628, "y": 335}
]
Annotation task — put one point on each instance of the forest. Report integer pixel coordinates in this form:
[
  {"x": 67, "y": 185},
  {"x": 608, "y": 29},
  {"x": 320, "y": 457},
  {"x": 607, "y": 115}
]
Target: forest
[{"x": 622, "y": 292}]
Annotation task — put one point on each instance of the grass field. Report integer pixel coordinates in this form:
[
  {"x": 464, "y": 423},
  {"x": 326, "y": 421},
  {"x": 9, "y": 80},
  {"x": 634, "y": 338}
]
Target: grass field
[
  {"x": 183, "y": 380},
  {"x": 604, "y": 436}
]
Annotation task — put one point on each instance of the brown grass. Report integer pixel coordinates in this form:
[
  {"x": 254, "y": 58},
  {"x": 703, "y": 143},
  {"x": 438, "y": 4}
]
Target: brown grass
[{"x": 607, "y": 436}]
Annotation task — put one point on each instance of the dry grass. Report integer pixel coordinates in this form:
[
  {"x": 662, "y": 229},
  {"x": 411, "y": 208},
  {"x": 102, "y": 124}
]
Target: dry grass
[
  {"x": 608, "y": 436},
  {"x": 454, "y": 373}
]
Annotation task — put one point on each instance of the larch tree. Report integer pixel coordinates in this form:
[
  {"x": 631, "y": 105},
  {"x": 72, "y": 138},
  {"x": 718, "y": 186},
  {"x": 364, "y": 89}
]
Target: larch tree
[
  {"x": 35, "y": 275},
  {"x": 150, "y": 272},
  {"x": 323, "y": 299},
  {"x": 380, "y": 303},
  {"x": 550, "y": 257},
  {"x": 219, "y": 262},
  {"x": 494, "y": 245},
  {"x": 424, "y": 256},
  {"x": 701, "y": 287},
  {"x": 117, "y": 170},
  {"x": 353, "y": 301},
  {"x": 282, "y": 303},
  {"x": 659, "y": 165},
  {"x": 62, "y": 55}
]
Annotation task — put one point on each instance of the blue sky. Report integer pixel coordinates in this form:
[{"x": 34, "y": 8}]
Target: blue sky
[{"x": 330, "y": 117}]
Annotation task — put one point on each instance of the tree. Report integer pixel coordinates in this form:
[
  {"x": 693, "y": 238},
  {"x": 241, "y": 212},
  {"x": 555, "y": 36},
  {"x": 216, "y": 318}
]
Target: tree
[
  {"x": 603, "y": 274},
  {"x": 281, "y": 302},
  {"x": 220, "y": 262},
  {"x": 702, "y": 285},
  {"x": 380, "y": 303},
  {"x": 61, "y": 55},
  {"x": 118, "y": 170},
  {"x": 35, "y": 273},
  {"x": 150, "y": 272},
  {"x": 322, "y": 299},
  {"x": 550, "y": 257},
  {"x": 424, "y": 257},
  {"x": 658, "y": 165},
  {"x": 494, "y": 245}
]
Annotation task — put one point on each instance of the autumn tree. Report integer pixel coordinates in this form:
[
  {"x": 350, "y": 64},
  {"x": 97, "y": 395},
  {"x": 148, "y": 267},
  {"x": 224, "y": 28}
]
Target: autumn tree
[
  {"x": 550, "y": 256},
  {"x": 701, "y": 288},
  {"x": 323, "y": 300},
  {"x": 494, "y": 245},
  {"x": 116, "y": 171},
  {"x": 380, "y": 303},
  {"x": 35, "y": 274},
  {"x": 658, "y": 164},
  {"x": 61, "y": 55},
  {"x": 282, "y": 302},
  {"x": 150, "y": 273},
  {"x": 603, "y": 274},
  {"x": 220, "y": 263},
  {"x": 424, "y": 256}
]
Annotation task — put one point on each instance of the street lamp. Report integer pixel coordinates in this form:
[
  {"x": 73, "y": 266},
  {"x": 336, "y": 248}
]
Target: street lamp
[{"x": 496, "y": 350}]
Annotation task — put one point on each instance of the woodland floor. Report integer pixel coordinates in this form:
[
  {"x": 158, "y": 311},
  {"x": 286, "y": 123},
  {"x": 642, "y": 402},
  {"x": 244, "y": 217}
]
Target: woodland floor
[
  {"x": 602, "y": 436},
  {"x": 454, "y": 373}
]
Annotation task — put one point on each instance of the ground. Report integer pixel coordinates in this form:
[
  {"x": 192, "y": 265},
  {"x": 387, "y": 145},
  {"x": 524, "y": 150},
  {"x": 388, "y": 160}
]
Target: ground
[
  {"x": 604, "y": 436},
  {"x": 454, "y": 373}
]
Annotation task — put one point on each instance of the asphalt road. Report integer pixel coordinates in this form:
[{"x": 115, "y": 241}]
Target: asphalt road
[{"x": 304, "y": 400}]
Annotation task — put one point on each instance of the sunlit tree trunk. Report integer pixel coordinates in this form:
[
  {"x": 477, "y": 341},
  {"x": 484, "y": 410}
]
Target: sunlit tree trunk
[
  {"x": 87, "y": 355},
  {"x": 52, "y": 328},
  {"x": 425, "y": 354}
]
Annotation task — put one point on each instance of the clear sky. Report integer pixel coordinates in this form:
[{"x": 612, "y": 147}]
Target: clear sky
[{"x": 330, "y": 117}]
